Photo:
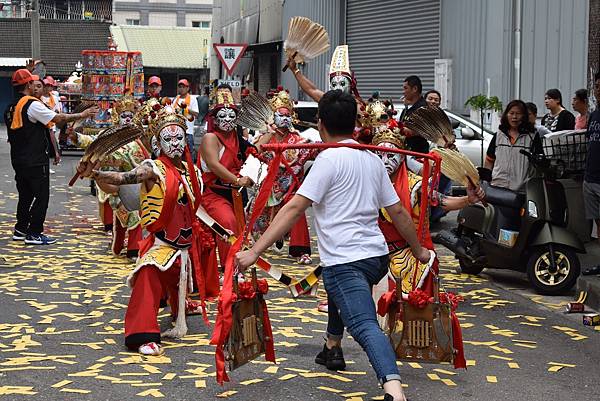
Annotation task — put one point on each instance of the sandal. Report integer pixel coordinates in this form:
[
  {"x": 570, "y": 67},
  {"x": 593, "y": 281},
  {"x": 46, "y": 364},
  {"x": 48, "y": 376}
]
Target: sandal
[
  {"x": 591, "y": 271},
  {"x": 151, "y": 349}
]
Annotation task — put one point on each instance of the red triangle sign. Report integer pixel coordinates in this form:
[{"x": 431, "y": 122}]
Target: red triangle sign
[{"x": 230, "y": 54}]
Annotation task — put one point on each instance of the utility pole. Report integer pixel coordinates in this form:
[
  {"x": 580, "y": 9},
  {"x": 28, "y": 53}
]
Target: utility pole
[{"x": 35, "y": 30}]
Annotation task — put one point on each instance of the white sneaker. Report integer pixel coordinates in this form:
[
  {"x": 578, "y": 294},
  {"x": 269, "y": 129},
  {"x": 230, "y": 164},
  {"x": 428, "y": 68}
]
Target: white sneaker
[{"x": 52, "y": 171}]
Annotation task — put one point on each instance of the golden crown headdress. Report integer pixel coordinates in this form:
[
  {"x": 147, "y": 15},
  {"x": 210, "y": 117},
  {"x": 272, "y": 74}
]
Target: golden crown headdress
[
  {"x": 280, "y": 98},
  {"x": 389, "y": 135},
  {"x": 376, "y": 113},
  {"x": 126, "y": 103},
  {"x": 221, "y": 98},
  {"x": 157, "y": 120}
]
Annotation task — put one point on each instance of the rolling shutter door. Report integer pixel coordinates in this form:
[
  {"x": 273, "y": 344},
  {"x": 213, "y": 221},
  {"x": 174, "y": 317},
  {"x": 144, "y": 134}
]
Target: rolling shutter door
[{"x": 390, "y": 40}]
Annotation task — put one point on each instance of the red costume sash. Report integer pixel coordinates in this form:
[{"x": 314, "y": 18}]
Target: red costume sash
[{"x": 229, "y": 159}]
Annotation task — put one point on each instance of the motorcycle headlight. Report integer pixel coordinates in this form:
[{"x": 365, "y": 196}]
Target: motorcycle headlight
[{"x": 532, "y": 209}]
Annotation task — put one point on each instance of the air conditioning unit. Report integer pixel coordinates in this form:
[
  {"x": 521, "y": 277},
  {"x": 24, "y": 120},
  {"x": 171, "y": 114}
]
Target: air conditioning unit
[{"x": 443, "y": 80}]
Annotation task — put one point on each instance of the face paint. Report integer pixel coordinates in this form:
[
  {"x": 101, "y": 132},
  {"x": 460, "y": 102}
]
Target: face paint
[
  {"x": 282, "y": 118},
  {"x": 155, "y": 146},
  {"x": 172, "y": 141},
  {"x": 225, "y": 119},
  {"x": 391, "y": 161},
  {"x": 125, "y": 118},
  {"x": 340, "y": 82}
]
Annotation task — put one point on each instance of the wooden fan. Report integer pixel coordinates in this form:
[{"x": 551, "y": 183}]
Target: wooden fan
[
  {"x": 306, "y": 40},
  {"x": 256, "y": 113},
  {"x": 107, "y": 142},
  {"x": 433, "y": 124}
]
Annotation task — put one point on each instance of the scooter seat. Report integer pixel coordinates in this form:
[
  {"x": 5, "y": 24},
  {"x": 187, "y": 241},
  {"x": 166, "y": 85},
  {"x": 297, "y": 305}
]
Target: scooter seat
[{"x": 502, "y": 196}]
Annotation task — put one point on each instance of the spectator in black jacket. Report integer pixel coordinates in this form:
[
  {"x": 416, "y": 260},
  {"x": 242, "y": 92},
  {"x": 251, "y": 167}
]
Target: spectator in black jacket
[
  {"x": 559, "y": 119},
  {"x": 413, "y": 100},
  {"x": 27, "y": 125}
]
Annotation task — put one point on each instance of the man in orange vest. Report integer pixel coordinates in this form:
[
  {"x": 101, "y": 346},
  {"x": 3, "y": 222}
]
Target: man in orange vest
[
  {"x": 27, "y": 122},
  {"x": 188, "y": 107}
]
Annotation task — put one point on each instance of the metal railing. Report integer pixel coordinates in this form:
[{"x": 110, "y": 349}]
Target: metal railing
[{"x": 99, "y": 10}]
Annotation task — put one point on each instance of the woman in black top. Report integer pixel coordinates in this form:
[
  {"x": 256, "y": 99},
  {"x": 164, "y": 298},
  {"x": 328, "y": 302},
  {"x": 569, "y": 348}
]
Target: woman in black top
[{"x": 559, "y": 118}]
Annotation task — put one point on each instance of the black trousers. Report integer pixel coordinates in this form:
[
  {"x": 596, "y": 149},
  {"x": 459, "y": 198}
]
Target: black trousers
[{"x": 33, "y": 185}]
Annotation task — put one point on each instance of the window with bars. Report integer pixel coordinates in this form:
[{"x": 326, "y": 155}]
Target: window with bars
[{"x": 132, "y": 21}]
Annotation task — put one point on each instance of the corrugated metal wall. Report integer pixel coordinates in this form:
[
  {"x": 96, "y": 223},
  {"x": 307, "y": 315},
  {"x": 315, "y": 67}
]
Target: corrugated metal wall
[
  {"x": 476, "y": 35},
  {"x": 328, "y": 13},
  {"x": 479, "y": 37},
  {"x": 555, "y": 47},
  {"x": 390, "y": 40}
]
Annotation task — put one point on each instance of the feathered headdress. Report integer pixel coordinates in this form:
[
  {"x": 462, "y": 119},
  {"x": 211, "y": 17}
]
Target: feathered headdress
[{"x": 126, "y": 103}]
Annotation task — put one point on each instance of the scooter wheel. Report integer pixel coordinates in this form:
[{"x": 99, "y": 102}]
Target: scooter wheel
[
  {"x": 470, "y": 267},
  {"x": 553, "y": 281}
]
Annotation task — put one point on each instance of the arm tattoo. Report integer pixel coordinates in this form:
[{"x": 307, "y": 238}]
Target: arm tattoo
[{"x": 131, "y": 177}]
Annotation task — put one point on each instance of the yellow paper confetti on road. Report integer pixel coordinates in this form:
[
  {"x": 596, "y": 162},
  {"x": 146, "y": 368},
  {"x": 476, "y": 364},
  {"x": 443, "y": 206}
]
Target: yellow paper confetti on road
[
  {"x": 153, "y": 392},
  {"x": 504, "y": 358},
  {"x": 61, "y": 384},
  {"x": 200, "y": 383},
  {"x": 249, "y": 382},
  {"x": 415, "y": 365},
  {"x": 288, "y": 376},
  {"x": 227, "y": 394},
  {"x": 513, "y": 365},
  {"x": 169, "y": 376},
  {"x": 566, "y": 365},
  {"x": 331, "y": 390},
  {"x": 21, "y": 390},
  {"x": 491, "y": 379},
  {"x": 352, "y": 395},
  {"x": 448, "y": 382},
  {"x": 555, "y": 368},
  {"x": 433, "y": 376},
  {"x": 271, "y": 369},
  {"x": 445, "y": 372}
]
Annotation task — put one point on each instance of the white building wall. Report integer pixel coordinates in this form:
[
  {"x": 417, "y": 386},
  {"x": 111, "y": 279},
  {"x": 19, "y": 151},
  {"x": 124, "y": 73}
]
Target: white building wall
[
  {"x": 197, "y": 17},
  {"x": 162, "y": 19},
  {"x": 121, "y": 17}
]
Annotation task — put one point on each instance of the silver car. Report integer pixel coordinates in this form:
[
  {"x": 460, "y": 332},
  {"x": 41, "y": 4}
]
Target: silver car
[{"x": 468, "y": 133}]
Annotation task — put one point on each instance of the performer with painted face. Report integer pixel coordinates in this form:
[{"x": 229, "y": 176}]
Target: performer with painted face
[
  {"x": 124, "y": 223},
  {"x": 340, "y": 78},
  {"x": 224, "y": 151},
  {"x": 177, "y": 245},
  {"x": 408, "y": 186},
  {"x": 290, "y": 175}
]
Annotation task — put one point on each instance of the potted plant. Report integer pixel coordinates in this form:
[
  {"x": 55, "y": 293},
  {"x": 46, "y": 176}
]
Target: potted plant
[{"x": 483, "y": 103}]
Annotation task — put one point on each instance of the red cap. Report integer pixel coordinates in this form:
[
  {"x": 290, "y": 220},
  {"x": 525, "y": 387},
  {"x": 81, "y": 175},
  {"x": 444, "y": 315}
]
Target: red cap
[
  {"x": 49, "y": 81},
  {"x": 183, "y": 82},
  {"x": 22, "y": 76},
  {"x": 154, "y": 80}
]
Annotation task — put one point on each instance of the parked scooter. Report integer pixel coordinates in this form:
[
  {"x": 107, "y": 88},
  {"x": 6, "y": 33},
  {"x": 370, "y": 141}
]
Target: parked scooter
[{"x": 520, "y": 231}]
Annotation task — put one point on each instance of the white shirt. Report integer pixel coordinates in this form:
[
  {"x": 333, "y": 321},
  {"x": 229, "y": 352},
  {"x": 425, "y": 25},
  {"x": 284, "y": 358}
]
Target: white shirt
[
  {"x": 348, "y": 187},
  {"x": 39, "y": 112},
  {"x": 193, "y": 106}
]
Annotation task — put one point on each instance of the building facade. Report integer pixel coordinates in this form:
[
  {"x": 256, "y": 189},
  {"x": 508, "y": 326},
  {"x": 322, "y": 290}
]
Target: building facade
[
  {"x": 505, "y": 48},
  {"x": 182, "y": 13}
]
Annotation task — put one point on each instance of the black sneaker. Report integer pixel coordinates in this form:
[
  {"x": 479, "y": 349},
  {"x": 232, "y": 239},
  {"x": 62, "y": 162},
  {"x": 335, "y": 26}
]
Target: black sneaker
[
  {"x": 332, "y": 358},
  {"x": 388, "y": 397},
  {"x": 18, "y": 235},
  {"x": 39, "y": 239}
]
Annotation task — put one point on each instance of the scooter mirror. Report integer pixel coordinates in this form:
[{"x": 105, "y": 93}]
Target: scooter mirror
[{"x": 468, "y": 133}]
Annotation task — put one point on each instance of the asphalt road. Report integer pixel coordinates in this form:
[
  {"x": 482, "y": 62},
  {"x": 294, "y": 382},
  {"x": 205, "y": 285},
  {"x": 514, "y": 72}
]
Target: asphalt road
[{"x": 61, "y": 330}]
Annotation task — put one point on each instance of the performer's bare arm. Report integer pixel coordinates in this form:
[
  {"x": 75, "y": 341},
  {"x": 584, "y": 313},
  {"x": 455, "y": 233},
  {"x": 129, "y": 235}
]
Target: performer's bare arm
[
  {"x": 281, "y": 224},
  {"x": 306, "y": 84},
  {"x": 210, "y": 154},
  {"x": 61, "y": 118},
  {"x": 109, "y": 181},
  {"x": 405, "y": 227}
]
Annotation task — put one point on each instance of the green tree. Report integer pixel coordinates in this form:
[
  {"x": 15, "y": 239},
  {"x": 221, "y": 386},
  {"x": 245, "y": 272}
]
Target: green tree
[{"x": 482, "y": 103}]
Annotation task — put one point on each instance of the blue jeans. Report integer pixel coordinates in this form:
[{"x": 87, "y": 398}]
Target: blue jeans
[{"x": 350, "y": 304}]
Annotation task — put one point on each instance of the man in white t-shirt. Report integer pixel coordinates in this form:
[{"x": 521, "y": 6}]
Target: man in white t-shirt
[
  {"x": 27, "y": 122},
  {"x": 346, "y": 188},
  {"x": 188, "y": 106}
]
